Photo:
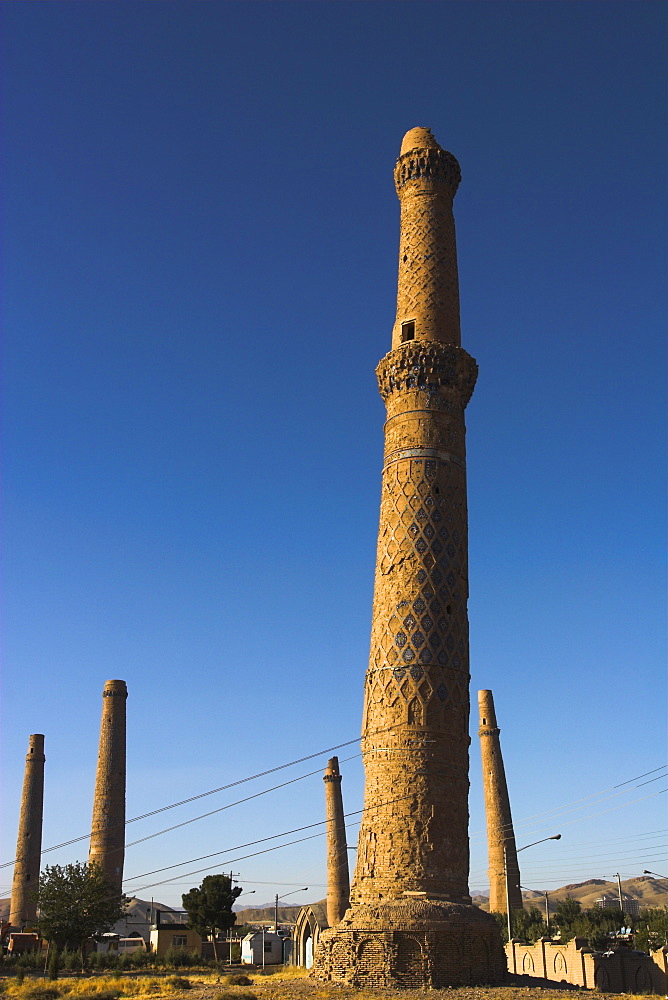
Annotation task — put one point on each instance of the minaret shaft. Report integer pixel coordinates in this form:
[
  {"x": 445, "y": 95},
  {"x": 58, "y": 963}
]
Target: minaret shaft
[
  {"x": 23, "y": 906},
  {"x": 107, "y": 841},
  {"x": 416, "y": 712},
  {"x": 504, "y": 872},
  {"x": 338, "y": 880},
  {"x": 411, "y": 922}
]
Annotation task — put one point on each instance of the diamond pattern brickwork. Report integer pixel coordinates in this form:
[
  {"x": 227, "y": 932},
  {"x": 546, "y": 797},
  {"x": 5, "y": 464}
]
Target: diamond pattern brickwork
[{"x": 410, "y": 921}]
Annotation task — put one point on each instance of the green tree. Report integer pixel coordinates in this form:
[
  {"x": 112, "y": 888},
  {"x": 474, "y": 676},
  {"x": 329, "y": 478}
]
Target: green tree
[
  {"x": 651, "y": 929},
  {"x": 209, "y": 907},
  {"x": 528, "y": 925},
  {"x": 565, "y": 915},
  {"x": 76, "y": 902},
  {"x": 598, "y": 924}
]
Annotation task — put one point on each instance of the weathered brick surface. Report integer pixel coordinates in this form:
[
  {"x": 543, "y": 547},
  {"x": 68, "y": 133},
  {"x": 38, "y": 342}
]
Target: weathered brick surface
[
  {"x": 501, "y": 847},
  {"x": 23, "y": 908},
  {"x": 338, "y": 878},
  {"x": 411, "y": 922},
  {"x": 107, "y": 839}
]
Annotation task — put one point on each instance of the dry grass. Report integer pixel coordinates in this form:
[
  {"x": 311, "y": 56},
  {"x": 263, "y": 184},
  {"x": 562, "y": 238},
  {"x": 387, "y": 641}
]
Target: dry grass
[
  {"x": 284, "y": 984},
  {"x": 99, "y": 987}
]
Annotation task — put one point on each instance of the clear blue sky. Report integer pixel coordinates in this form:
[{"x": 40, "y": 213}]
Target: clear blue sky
[{"x": 200, "y": 240}]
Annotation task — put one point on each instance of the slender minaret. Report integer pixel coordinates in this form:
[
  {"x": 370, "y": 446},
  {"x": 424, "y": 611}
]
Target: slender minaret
[
  {"x": 504, "y": 872},
  {"x": 23, "y": 906},
  {"x": 411, "y": 922},
  {"x": 338, "y": 880},
  {"x": 107, "y": 839}
]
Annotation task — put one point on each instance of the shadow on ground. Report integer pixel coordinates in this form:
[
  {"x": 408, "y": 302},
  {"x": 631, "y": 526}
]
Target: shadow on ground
[{"x": 536, "y": 983}]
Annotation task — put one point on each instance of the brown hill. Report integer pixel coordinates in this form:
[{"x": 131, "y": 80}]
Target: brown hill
[
  {"x": 265, "y": 914},
  {"x": 650, "y": 892}
]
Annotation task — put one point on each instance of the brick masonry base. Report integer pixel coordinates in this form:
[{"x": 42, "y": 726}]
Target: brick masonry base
[{"x": 412, "y": 944}]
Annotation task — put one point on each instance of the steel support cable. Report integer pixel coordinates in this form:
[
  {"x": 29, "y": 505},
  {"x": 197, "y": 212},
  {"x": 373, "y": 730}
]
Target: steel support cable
[
  {"x": 579, "y": 861},
  {"x": 614, "y": 809},
  {"x": 291, "y": 843},
  {"x": 213, "y": 791},
  {"x": 233, "y": 861},
  {"x": 273, "y": 770},
  {"x": 264, "y": 840},
  {"x": 573, "y": 859},
  {"x": 565, "y": 809}
]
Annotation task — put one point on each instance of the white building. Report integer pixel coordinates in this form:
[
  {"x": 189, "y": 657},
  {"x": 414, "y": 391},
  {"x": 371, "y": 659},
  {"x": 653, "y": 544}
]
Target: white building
[{"x": 262, "y": 948}]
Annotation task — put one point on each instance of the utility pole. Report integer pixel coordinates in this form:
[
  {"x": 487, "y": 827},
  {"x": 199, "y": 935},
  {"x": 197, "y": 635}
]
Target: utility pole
[
  {"x": 547, "y": 915},
  {"x": 276, "y": 914},
  {"x": 557, "y": 836}
]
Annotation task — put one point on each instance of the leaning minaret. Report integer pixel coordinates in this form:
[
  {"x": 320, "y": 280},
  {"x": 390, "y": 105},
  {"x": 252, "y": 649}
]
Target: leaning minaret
[
  {"x": 504, "y": 872},
  {"x": 411, "y": 922},
  {"x": 23, "y": 907},
  {"x": 338, "y": 879},
  {"x": 107, "y": 839}
]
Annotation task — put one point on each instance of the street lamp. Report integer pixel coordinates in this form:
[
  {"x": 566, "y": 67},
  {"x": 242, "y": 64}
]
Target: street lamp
[
  {"x": 645, "y": 872},
  {"x": 305, "y": 889},
  {"x": 556, "y": 836}
]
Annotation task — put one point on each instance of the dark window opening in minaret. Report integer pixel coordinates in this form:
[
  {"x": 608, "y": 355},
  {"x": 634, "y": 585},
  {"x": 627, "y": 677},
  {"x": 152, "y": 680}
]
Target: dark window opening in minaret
[
  {"x": 484, "y": 722},
  {"x": 407, "y": 331}
]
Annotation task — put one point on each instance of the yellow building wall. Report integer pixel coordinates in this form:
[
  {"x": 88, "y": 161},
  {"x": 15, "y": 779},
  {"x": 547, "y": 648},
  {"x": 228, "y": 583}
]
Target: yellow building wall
[{"x": 174, "y": 937}]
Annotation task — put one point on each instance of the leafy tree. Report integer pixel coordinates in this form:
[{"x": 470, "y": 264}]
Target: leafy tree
[
  {"x": 567, "y": 911},
  {"x": 651, "y": 929},
  {"x": 528, "y": 925},
  {"x": 76, "y": 902},
  {"x": 209, "y": 908},
  {"x": 598, "y": 924}
]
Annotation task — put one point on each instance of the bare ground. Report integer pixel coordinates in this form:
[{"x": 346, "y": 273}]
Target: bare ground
[{"x": 275, "y": 987}]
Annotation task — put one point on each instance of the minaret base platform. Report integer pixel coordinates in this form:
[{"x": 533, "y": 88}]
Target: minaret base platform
[{"x": 412, "y": 944}]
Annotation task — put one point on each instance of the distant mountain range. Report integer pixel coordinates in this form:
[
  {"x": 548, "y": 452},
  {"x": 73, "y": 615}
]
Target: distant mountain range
[{"x": 649, "y": 891}]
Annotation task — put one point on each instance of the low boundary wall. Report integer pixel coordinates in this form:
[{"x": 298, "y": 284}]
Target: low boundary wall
[{"x": 621, "y": 971}]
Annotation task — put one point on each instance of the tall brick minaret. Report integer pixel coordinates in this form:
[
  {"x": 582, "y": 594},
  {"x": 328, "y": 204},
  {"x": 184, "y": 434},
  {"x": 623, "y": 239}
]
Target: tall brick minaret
[
  {"x": 338, "y": 879},
  {"x": 23, "y": 907},
  {"x": 411, "y": 922},
  {"x": 107, "y": 839},
  {"x": 504, "y": 872}
]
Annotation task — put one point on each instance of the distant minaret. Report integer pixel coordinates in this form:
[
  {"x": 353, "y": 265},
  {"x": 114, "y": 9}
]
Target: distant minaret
[
  {"x": 23, "y": 908},
  {"x": 499, "y": 819},
  {"x": 338, "y": 880},
  {"x": 107, "y": 839}
]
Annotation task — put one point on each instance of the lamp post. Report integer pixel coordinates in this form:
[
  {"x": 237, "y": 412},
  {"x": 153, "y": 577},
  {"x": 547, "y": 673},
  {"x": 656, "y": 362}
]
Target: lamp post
[
  {"x": 656, "y": 874},
  {"x": 277, "y": 897},
  {"x": 556, "y": 836}
]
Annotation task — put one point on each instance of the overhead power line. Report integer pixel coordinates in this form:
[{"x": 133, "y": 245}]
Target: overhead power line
[
  {"x": 213, "y": 791},
  {"x": 262, "y": 840},
  {"x": 566, "y": 808}
]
